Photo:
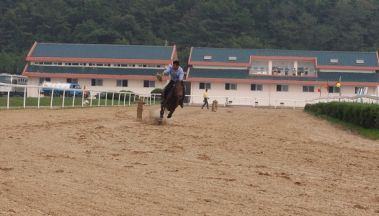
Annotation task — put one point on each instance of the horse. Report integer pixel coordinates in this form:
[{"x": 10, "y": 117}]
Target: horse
[{"x": 171, "y": 100}]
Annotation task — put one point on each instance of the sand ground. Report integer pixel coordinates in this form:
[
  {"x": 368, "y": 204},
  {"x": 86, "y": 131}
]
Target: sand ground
[{"x": 237, "y": 161}]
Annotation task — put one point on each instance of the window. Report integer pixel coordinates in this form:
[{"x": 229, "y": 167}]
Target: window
[
  {"x": 96, "y": 82},
  {"x": 230, "y": 86},
  {"x": 207, "y": 57},
  {"x": 256, "y": 87},
  {"x": 308, "y": 89},
  {"x": 360, "y": 61},
  {"x": 333, "y": 89},
  {"x": 232, "y": 58},
  {"x": 334, "y": 61},
  {"x": 122, "y": 83},
  {"x": 360, "y": 90},
  {"x": 44, "y": 79},
  {"x": 282, "y": 88},
  {"x": 148, "y": 84},
  {"x": 72, "y": 80},
  {"x": 204, "y": 86}
]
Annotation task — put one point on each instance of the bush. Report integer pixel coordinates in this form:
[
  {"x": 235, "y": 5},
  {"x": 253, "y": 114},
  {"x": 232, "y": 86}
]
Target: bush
[
  {"x": 364, "y": 115},
  {"x": 157, "y": 91}
]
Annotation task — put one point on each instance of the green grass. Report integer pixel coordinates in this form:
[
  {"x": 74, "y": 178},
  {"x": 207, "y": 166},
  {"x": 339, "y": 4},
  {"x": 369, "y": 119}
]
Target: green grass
[
  {"x": 371, "y": 133},
  {"x": 15, "y": 102}
]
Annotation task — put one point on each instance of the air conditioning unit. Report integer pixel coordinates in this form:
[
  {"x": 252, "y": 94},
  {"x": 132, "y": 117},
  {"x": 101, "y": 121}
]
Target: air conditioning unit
[
  {"x": 207, "y": 57},
  {"x": 334, "y": 61},
  {"x": 232, "y": 58}
]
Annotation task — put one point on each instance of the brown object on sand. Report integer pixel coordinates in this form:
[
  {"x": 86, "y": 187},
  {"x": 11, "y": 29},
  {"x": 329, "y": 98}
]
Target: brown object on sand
[
  {"x": 140, "y": 109},
  {"x": 214, "y": 105}
]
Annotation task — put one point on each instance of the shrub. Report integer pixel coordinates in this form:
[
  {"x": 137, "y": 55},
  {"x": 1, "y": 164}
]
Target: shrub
[{"x": 364, "y": 115}]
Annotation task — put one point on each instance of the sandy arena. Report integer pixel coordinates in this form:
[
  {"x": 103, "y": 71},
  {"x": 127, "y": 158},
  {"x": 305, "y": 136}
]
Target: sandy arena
[{"x": 236, "y": 161}]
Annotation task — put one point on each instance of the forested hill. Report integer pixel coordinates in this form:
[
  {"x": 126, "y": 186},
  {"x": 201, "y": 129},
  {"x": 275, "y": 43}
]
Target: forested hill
[{"x": 285, "y": 24}]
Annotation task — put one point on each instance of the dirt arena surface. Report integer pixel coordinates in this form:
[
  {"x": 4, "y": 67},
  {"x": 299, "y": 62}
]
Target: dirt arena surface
[{"x": 237, "y": 161}]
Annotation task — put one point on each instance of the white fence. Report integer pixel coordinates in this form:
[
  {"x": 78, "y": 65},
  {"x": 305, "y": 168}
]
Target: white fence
[
  {"x": 372, "y": 99},
  {"x": 277, "y": 103},
  {"x": 95, "y": 98},
  {"x": 77, "y": 98},
  {"x": 248, "y": 101}
]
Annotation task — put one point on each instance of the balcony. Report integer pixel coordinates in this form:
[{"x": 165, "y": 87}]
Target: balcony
[{"x": 300, "y": 71}]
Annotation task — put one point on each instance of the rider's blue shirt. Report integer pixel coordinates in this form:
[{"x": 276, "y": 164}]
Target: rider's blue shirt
[{"x": 174, "y": 74}]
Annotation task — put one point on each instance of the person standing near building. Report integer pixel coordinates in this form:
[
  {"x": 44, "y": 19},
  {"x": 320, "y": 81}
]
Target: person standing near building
[{"x": 205, "y": 96}]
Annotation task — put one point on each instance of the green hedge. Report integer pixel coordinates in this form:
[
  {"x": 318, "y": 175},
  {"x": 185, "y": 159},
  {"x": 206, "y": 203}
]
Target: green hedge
[{"x": 364, "y": 115}]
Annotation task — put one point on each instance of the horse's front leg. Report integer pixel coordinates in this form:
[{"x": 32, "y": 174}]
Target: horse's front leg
[
  {"x": 170, "y": 113},
  {"x": 162, "y": 111}
]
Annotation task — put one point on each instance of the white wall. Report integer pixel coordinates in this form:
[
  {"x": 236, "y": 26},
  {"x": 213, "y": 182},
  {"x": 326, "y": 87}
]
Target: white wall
[
  {"x": 269, "y": 96},
  {"x": 108, "y": 85}
]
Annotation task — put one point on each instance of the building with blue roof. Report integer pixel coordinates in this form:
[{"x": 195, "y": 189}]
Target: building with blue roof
[
  {"x": 273, "y": 77},
  {"x": 102, "y": 67}
]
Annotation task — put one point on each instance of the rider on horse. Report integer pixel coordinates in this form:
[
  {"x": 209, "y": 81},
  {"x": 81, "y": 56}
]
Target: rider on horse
[{"x": 176, "y": 74}]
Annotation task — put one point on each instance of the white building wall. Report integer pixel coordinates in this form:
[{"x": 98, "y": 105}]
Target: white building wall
[
  {"x": 135, "y": 86},
  {"x": 268, "y": 96}
]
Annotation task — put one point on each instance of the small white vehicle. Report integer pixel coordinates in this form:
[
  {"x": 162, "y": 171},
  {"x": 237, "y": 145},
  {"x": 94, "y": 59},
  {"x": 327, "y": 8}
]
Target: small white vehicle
[{"x": 6, "y": 82}]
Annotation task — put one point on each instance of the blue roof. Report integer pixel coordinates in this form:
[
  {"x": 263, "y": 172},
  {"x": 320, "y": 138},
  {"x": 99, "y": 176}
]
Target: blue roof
[
  {"x": 102, "y": 51},
  {"x": 345, "y": 58},
  {"x": 244, "y": 74},
  {"x": 90, "y": 70}
]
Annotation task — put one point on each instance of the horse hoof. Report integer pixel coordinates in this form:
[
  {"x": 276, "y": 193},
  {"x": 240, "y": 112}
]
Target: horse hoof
[{"x": 169, "y": 116}]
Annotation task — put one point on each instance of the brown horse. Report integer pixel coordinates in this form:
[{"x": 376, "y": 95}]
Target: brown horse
[{"x": 171, "y": 100}]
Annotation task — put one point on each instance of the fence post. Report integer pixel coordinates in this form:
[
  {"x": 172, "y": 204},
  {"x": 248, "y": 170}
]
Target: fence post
[
  {"x": 112, "y": 98},
  {"x": 106, "y": 98},
  {"x": 73, "y": 100},
  {"x": 39, "y": 98},
  {"x": 8, "y": 96},
  {"x": 51, "y": 98},
  {"x": 82, "y": 98},
  {"x": 98, "y": 102},
  {"x": 119, "y": 98},
  {"x": 24, "y": 97},
  {"x": 124, "y": 98},
  {"x": 130, "y": 95},
  {"x": 63, "y": 99},
  {"x": 90, "y": 94}
]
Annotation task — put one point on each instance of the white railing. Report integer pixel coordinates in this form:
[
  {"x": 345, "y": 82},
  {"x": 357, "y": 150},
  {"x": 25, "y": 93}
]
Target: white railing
[
  {"x": 248, "y": 101},
  {"x": 77, "y": 98},
  {"x": 278, "y": 103},
  {"x": 357, "y": 98}
]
